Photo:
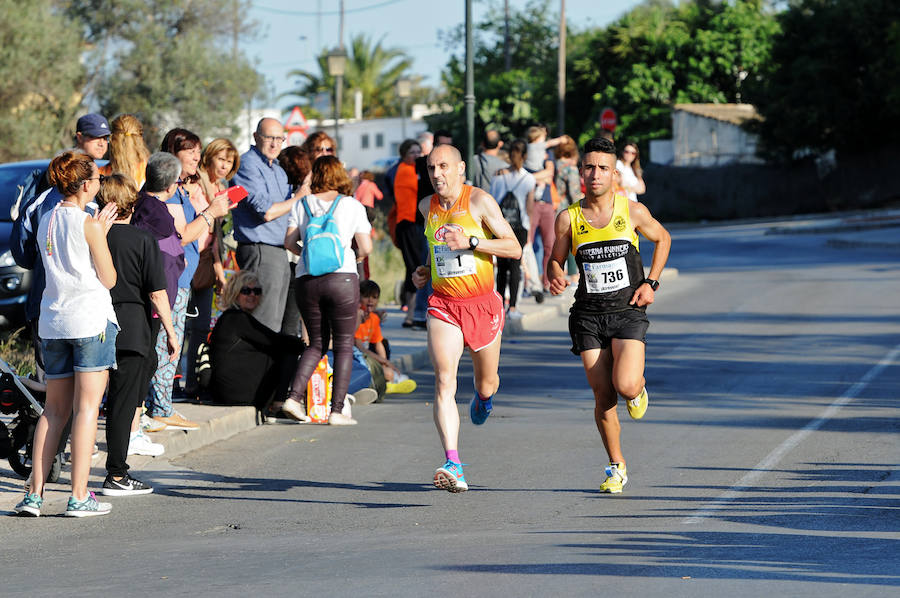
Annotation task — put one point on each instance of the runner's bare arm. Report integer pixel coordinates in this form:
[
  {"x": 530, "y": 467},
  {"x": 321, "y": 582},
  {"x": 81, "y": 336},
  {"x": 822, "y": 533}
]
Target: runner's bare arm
[
  {"x": 556, "y": 268},
  {"x": 654, "y": 232},
  {"x": 486, "y": 210}
]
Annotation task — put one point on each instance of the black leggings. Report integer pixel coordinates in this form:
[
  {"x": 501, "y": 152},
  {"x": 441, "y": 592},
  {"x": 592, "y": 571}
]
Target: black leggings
[
  {"x": 328, "y": 304},
  {"x": 508, "y": 268}
]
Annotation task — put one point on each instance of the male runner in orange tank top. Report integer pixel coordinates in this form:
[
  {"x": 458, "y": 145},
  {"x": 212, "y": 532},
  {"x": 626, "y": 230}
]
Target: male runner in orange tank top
[{"x": 464, "y": 229}]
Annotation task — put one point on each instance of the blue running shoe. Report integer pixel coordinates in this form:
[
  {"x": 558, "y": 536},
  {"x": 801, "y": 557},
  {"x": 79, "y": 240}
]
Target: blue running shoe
[
  {"x": 480, "y": 410},
  {"x": 30, "y": 505},
  {"x": 450, "y": 477},
  {"x": 89, "y": 507}
]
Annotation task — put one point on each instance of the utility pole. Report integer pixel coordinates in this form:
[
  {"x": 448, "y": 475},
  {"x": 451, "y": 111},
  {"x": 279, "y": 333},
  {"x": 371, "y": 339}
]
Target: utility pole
[
  {"x": 235, "y": 33},
  {"x": 339, "y": 84},
  {"x": 507, "y": 57},
  {"x": 318, "y": 26},
  {"x": 341, "y": 28},
  {"x": 470, "y": 93},
  {"x": 561, "y": 79}
]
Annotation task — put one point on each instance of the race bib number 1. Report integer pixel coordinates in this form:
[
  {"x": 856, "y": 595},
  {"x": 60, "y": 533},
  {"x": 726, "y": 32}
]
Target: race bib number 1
[
  {"x": 452, "y": 263},
  {"x": 606, "y": 277}
]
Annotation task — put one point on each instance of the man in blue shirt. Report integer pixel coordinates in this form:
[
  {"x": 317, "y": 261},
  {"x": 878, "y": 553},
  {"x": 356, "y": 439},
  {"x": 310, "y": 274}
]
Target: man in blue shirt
[{"x": 260, "y": 221}]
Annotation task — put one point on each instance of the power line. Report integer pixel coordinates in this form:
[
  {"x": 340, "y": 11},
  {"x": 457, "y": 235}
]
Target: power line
[{"x": 307, "y": 13}]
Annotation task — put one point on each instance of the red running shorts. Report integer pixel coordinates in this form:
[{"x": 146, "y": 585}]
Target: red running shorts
[{"x": 480, "y": 318}]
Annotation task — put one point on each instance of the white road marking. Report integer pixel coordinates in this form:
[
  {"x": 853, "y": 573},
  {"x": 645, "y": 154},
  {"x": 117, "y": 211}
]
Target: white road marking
[{"x": 766, "y": 465}]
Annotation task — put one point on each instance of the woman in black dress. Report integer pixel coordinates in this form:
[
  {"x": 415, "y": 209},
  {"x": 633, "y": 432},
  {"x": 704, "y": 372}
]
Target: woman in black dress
[{"x": 251, "y": 364}]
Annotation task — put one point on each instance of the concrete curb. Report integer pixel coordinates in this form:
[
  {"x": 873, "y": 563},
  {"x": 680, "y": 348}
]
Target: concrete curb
[
  {"x": 216, "y": 423},
  {"x": 220, "y": 423},
  {"x": 848, "y": 226}
]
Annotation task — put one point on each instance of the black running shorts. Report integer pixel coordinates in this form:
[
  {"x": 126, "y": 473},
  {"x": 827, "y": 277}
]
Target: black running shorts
[{"x": 595, "y": 331}]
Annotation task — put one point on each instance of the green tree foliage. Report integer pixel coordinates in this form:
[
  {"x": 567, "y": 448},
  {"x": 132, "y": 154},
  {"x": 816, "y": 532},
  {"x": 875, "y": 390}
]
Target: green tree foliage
[
  {"x": 506, "y": 100},
  {"x": 371, "y": 68},
  {"x": 660, "y": 54},
  {"x": 41, "y": 79},
  {"x": 838, "y": 81},
  {"x": 170, "y": 62}
]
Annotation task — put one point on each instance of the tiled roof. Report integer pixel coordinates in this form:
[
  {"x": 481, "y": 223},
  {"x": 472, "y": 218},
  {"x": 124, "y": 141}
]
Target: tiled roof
[{"x": 736, "y": 114}]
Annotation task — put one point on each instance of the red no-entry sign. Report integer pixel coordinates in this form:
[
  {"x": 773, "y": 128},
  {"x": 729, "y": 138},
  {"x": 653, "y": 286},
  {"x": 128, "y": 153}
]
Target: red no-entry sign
[{"x": 608, "y": 119}]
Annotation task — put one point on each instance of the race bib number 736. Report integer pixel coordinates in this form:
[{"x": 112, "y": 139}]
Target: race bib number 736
[{"x": 606, "y": 277}]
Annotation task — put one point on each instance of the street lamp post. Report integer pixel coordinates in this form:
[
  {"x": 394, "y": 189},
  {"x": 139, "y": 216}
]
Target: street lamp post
[
  {"x": 469, "y": 98},
  {"x": 404, "y": 90},
  {"x": 337, "y": 62}
]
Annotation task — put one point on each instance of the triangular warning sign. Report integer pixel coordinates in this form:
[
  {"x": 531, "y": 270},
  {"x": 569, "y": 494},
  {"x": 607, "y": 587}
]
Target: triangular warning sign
[{"x": 296, "y": 120}]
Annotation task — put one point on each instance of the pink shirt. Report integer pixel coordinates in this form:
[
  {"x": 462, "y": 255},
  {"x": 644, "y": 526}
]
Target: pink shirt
[{"x": 367, "y": 193}]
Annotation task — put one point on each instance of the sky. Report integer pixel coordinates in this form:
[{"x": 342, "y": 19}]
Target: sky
[{"x": 292, "y": 33}]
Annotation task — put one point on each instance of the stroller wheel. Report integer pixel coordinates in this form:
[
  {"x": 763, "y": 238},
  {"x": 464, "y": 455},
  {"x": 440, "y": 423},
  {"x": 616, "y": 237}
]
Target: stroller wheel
[{"x": 20, "y": 455}]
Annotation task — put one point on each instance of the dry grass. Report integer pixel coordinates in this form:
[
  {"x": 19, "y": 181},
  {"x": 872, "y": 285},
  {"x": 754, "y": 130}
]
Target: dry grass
[
  {"x": 386, "y": 268},
  {"x": 16, "y": 350},
  {"x": 386, "y": 262}
]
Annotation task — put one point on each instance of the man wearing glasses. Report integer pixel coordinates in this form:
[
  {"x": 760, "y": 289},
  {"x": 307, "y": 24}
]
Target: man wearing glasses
[
  {"x": 92, "y": 138},
  {"x": 260, "y": 221}
]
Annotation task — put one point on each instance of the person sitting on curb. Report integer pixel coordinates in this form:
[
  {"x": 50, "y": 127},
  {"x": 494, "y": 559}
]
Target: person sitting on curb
[
  {"x": 251, "y": 364},
  {"x": 370, "y": 341}
]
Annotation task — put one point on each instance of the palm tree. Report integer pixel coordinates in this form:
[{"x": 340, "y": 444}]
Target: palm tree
[{"x": 371, "y": 68}]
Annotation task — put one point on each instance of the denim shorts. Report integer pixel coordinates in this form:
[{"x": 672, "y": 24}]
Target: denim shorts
[{"x": 65, "y": 356}]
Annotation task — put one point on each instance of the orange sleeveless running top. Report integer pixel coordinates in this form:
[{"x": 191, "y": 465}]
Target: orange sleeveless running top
[{"x": 462, "y": 273}]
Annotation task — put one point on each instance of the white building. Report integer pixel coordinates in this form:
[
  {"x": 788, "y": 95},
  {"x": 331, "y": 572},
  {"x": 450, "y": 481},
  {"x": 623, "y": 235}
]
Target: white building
[
  {"x": 363, "y": 143},
  {"x": 369, "y": 144},
  {"x": 708, "y": 135}
]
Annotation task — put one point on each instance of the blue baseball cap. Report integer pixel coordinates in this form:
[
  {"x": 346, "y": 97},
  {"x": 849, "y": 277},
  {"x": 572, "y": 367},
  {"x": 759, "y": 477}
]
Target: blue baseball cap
[{"x": 93, "y": 125}]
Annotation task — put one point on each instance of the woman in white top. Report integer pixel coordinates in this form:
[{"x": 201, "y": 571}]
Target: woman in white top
[
  {"x": 329, "y": 302},
  {"x": 630, "y": 173},
  {"x": 77, "y": 327},
  {"x": 522, "y": 184}
]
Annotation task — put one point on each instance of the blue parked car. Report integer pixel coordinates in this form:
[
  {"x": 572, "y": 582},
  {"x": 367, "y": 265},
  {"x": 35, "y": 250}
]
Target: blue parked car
[{"x": 14, "y": 281}]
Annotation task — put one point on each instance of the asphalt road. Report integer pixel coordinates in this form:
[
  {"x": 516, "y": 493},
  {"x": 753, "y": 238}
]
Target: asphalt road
[{"x": 767, "y": 463}]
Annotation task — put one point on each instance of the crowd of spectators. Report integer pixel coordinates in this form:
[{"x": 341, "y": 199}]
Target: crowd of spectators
[{"x": 124, "y": 253}]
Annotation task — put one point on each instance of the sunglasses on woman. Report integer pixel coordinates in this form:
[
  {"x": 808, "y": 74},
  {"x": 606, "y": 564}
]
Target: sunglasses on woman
[{"x": 251, "y": 291}]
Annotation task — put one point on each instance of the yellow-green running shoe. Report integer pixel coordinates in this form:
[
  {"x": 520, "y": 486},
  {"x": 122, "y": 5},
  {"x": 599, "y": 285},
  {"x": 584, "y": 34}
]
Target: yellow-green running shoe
[
  {"x": 637, "y": 406},
  {"x": 616, "y": 478}
]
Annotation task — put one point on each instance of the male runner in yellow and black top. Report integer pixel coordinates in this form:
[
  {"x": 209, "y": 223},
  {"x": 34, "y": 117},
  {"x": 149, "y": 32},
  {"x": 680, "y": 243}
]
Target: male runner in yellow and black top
[
  {"x": 464, "y": 229},
  {"x": 608, "y": 320}
]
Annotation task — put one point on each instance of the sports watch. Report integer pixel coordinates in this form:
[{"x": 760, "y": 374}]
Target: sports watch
[
  {"x": 473, "y": 242},
  {"x": 654, "y": 284}
]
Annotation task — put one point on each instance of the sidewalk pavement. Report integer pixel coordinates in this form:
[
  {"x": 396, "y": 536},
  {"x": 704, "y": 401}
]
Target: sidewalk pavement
[{"x": 217, "y": 423}]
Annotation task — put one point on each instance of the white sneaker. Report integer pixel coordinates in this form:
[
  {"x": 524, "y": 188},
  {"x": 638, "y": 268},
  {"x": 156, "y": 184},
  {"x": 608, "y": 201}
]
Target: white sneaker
[
  {"x": 339, "y": 419},
  {"x": 514, "y": 314},
  {"x": 140, "y": 444},
  {"x": 296, "y": 410},
  {"x": 364, "y": 396},
  {"x": 148, "y": 424}
]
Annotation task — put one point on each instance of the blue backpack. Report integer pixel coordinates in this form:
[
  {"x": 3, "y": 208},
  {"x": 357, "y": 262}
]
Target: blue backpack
[{"x": 322, "y": 250}]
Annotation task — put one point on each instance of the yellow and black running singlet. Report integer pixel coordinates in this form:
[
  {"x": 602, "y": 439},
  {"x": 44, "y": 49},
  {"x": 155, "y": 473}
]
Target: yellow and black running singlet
[
  {"x": 608, "y": 260},
  {"x": 462, "y": 273}
]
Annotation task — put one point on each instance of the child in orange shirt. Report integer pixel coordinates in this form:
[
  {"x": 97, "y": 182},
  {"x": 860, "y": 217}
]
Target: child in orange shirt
[{"x": 372, "y": 343}]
